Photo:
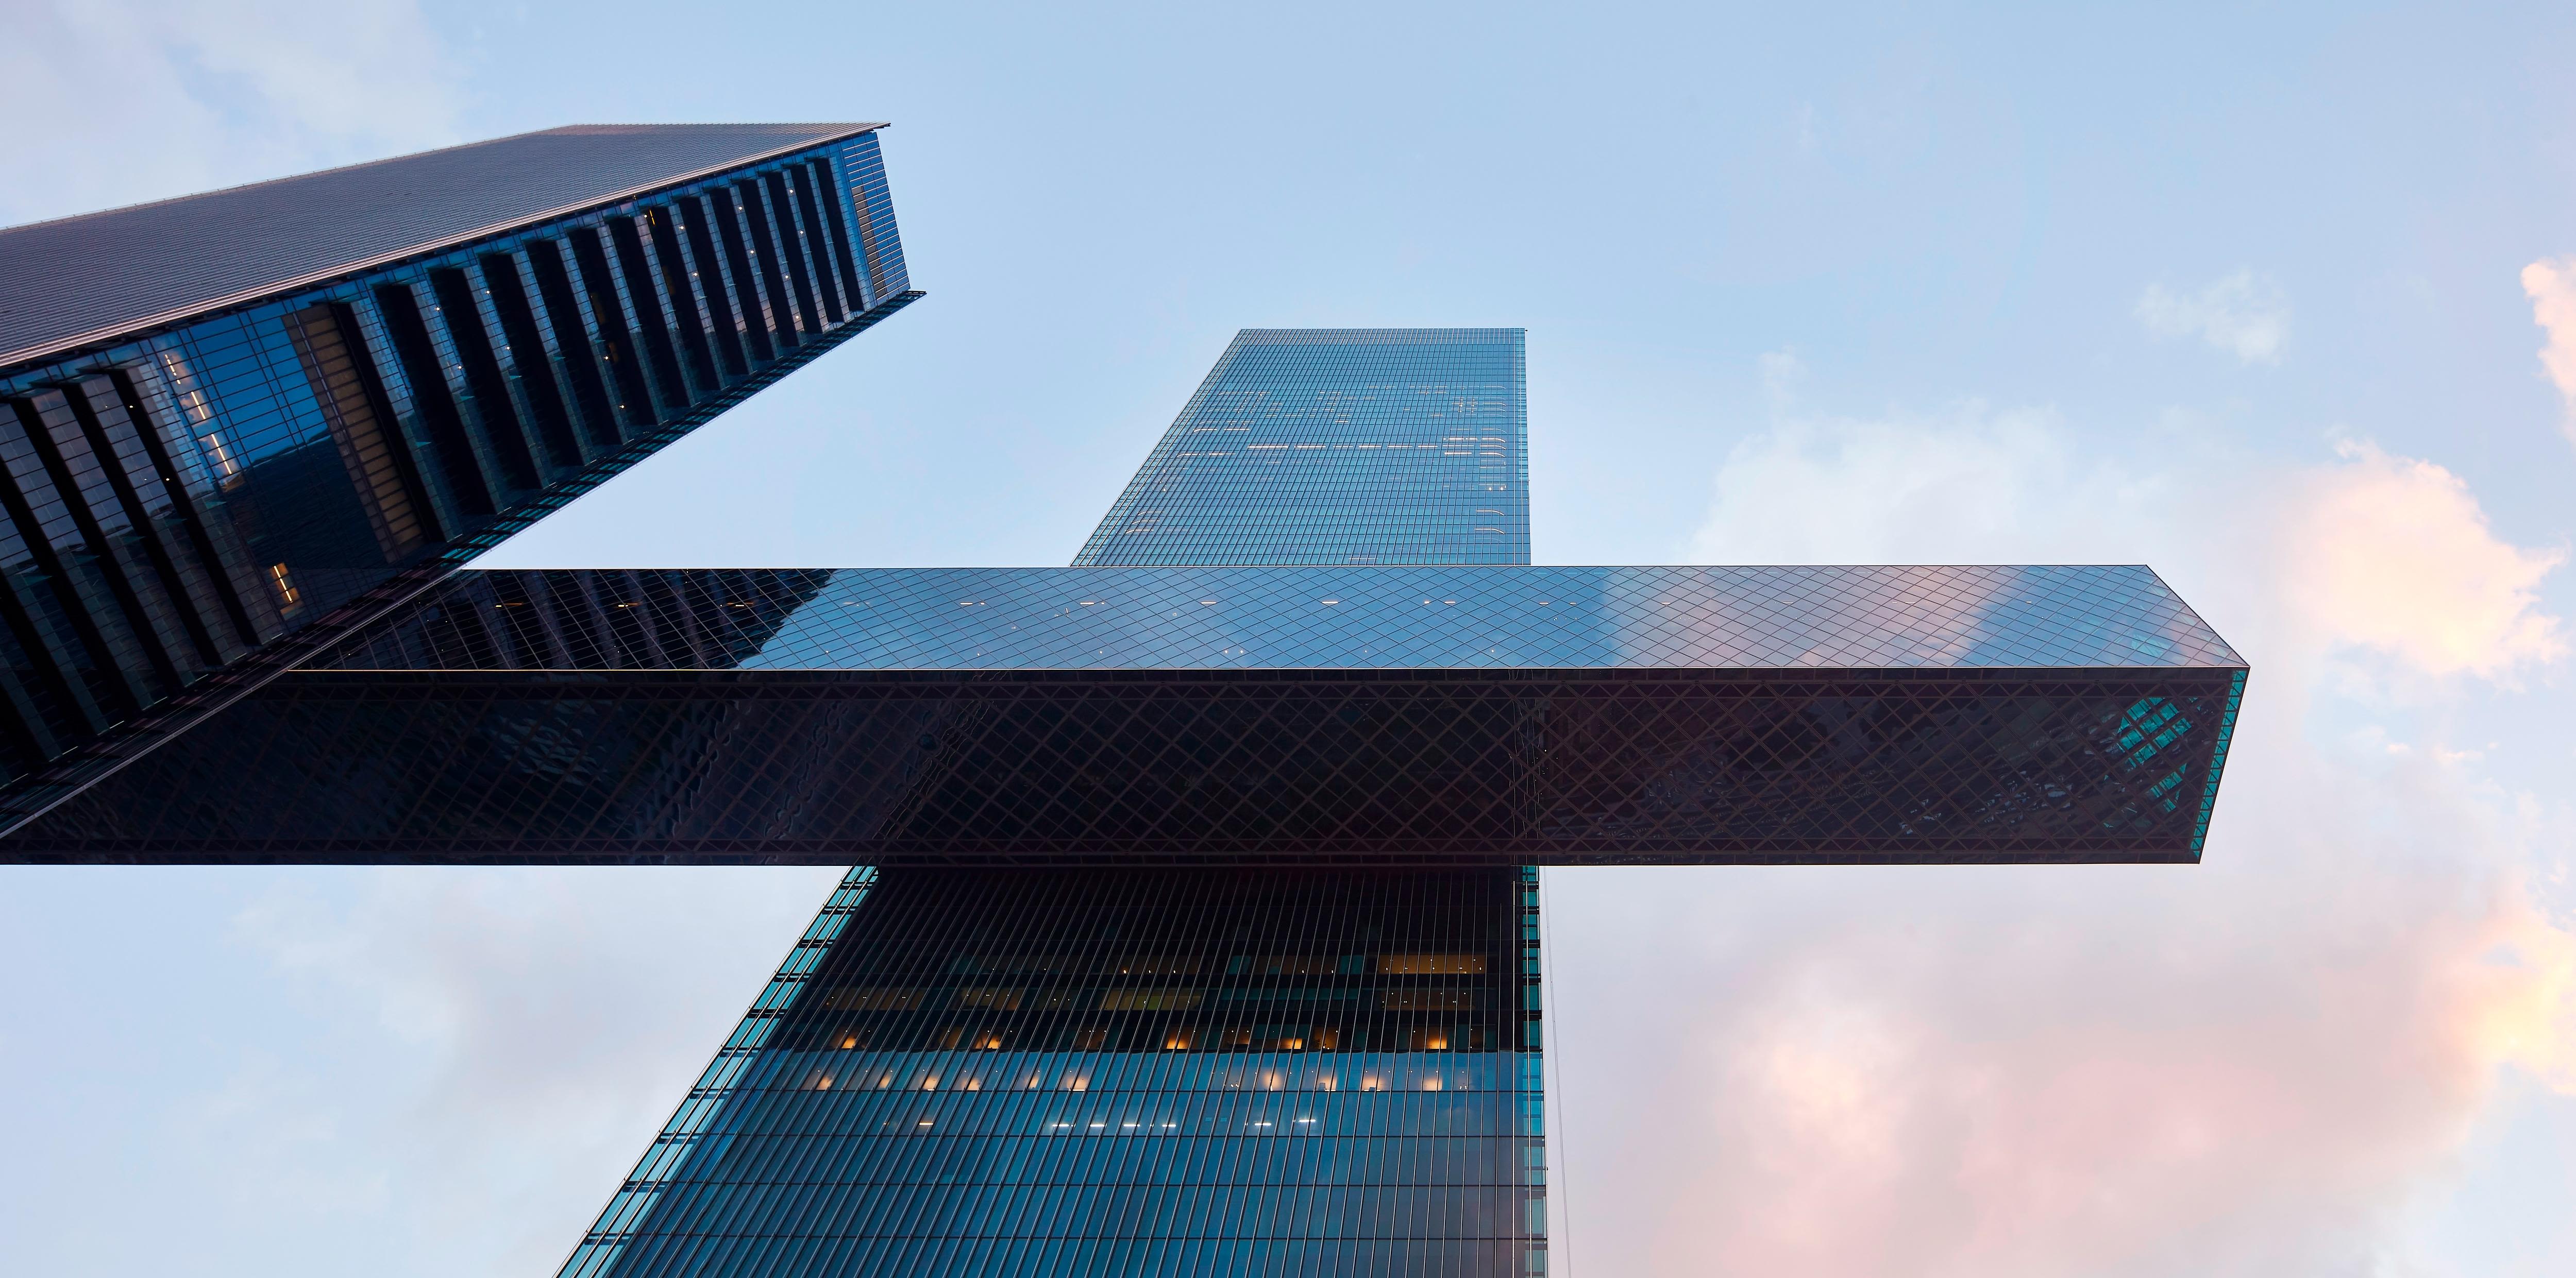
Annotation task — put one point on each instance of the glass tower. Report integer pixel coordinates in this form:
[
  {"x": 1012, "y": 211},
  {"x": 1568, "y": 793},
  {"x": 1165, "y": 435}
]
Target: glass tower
[
  {"x": 1179, "y": 1071},
  {"x": 238, "y": 421}
]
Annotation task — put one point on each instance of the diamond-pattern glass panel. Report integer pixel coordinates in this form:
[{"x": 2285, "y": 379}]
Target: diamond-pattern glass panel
[
  {"x": 1804, "y": 618},
  {"x": 1176, "y": 767},
  {"x": 1214, "y": 715}
]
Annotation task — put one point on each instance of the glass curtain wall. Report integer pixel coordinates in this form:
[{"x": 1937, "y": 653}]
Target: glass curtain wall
[{"x": 1000, "y": 1072}]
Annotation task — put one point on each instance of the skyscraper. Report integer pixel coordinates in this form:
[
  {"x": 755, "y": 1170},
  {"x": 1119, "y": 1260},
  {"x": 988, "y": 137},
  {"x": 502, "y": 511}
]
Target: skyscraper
[
  {"x": 235, "y": 422},
  {"x": 1196, "y": 929},
  {"x": 1166, "y": 1071},
  {"x": 1338, "y": 446}
]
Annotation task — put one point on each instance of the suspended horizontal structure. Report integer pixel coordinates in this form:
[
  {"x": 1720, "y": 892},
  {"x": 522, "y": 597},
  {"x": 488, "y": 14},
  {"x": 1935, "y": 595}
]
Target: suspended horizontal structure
[
  {"x": 233, "y": 423},
  {"x": 1486, "y": 715},
  {"x": 1196, "y": 926}
]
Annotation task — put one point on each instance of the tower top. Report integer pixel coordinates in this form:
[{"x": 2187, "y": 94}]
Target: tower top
[{"x": 1338, "y": 446}]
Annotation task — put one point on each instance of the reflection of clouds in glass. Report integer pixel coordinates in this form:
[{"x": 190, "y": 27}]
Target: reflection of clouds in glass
[
  {"x": 1493, "y": 617},
  {"x": 1905, "y": 618}
]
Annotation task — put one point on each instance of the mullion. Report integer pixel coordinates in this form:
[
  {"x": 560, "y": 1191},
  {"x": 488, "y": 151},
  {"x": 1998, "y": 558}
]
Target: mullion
[
  {"x": 49, "y": 456},
  {"x": 770, "y": 265},
  {"x": 146, "y": 429},
  {"x": 112, "y": 465}
]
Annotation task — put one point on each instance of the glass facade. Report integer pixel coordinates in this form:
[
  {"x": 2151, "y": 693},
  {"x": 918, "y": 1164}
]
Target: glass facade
[
  {"x": 1294, "y": 618},
  {"x": 1338, "y": 446},
  {"x": 1327, "y": 1069},
  {"x": 1344, "y": 715},
  {"x": 1197, "y": 931},
  {"x": 335, "y": 392},
  {"x": 1008, "y": 1072}
]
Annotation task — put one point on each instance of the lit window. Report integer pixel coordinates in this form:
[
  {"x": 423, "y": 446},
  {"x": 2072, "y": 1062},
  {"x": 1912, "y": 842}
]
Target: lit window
[{"x": 1431, "y": 964}]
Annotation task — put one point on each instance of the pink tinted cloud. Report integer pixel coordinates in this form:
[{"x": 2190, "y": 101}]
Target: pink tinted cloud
[
  {"x": 2395, "y": 554},
  {"x": 2551, "y": 285},
  {"x": 2245, "y": 1068},
  {"x": 2254, "y": 1066}
]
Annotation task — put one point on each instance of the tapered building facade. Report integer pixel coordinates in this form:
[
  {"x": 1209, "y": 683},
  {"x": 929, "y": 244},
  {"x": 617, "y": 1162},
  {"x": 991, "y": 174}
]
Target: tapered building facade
[{"x": 230, "y": 418}]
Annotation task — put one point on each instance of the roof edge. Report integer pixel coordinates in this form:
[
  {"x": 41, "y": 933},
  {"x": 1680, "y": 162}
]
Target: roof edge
[{"x": 104, "y": 336}]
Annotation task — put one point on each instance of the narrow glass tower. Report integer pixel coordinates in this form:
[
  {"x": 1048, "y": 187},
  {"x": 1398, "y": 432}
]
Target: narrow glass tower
[{"x": 1116, "y": 1071}]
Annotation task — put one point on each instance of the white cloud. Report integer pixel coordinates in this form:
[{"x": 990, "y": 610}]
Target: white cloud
[
  {"x": 2394, "y": 555},
  {"x": 2386, "y": 556},
  {"x": 117, "y": 101},
  {"x": 2551, "y": 285},
  {"x": 2258, "y": 1065},
  {"x": 511, "y": 1039},
  {"x": 2244, "y": 314},
  {"x": 1955, "y": 486}
]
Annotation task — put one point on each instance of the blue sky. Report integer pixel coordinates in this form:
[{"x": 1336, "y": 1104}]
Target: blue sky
[{"x": 2254, "y": 297}]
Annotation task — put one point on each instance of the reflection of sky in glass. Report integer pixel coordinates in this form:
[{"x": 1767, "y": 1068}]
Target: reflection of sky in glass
[
  {"x": 1338, "y": 446},
  {"x": 1493, "y": 616}
]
